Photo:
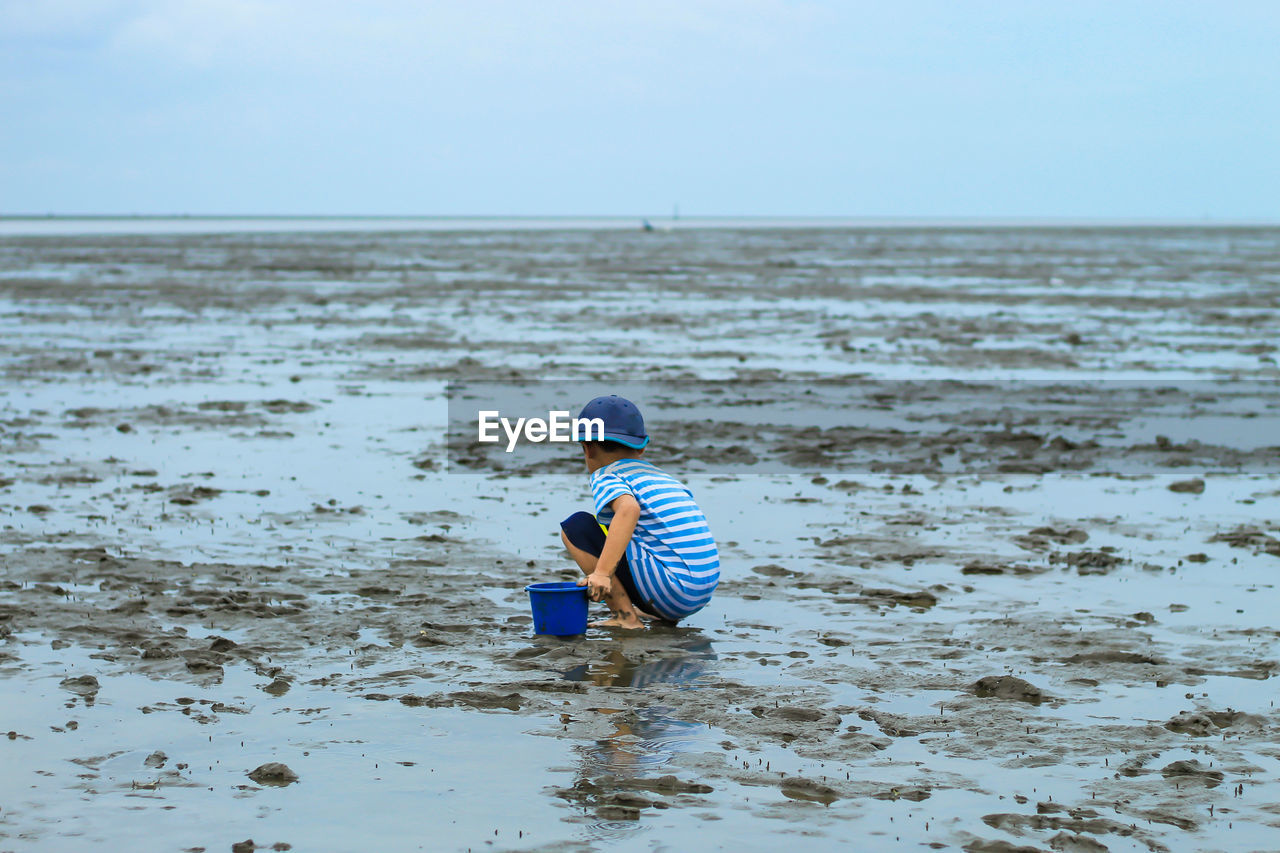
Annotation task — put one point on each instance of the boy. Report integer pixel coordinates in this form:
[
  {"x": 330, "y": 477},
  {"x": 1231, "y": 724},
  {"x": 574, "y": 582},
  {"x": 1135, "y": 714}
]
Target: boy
[{"x": 647, "y": 552}]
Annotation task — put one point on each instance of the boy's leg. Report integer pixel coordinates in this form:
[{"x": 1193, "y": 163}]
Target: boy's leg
[
  {"x": 585, "y": 561},
  {"x": 584, "y": 539},
  {"x": 622, "y": 576},
  {"x": 625, "y": 614}
]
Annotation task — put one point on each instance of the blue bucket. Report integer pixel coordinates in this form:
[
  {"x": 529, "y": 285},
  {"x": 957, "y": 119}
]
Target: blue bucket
[{"x": 558, "y": 608}]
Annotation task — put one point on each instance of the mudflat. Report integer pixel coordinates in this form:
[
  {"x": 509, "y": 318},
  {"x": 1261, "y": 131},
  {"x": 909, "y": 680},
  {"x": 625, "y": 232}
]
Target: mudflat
[{"x": 1007, "y": 603}]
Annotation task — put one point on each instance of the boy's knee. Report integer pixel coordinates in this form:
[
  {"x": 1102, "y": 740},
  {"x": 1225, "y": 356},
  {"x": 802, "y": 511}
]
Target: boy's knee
[
  {"x": 579, "y": 517},
  {"x": 578, "y": 524}
]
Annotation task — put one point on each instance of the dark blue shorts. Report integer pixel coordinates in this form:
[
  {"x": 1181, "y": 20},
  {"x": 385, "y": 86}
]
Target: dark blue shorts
[{"x": 584, "y": 532}]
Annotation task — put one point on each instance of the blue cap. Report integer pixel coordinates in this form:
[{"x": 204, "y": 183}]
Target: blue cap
[{"x": 623, "y": 422}]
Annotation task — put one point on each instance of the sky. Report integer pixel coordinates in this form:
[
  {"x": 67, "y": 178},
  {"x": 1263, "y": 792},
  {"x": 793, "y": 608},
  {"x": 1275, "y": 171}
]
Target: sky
[{"x": 1100, "y": 110}]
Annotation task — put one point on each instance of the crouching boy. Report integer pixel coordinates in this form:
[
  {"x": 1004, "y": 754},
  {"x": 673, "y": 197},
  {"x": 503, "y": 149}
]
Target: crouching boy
[{"x": 647, "y": 551}]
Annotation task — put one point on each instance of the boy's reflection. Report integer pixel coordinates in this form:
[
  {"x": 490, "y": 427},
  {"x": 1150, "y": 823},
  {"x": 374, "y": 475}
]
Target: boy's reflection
[
  {"x": 616, "y": 671},
  {"x": 644, "y": 739}
]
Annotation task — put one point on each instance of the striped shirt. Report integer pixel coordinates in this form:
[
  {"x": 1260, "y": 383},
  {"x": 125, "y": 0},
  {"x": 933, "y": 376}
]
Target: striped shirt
[{"x": 673, "y": 559}]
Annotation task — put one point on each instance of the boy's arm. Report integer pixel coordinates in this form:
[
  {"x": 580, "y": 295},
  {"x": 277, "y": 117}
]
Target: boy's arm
[{"x": 626, "y": 512}]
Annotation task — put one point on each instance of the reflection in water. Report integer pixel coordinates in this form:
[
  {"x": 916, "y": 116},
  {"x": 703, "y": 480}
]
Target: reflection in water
[
  {"x": 617, "y": 671},
  {"x": 617, "y": 773}
]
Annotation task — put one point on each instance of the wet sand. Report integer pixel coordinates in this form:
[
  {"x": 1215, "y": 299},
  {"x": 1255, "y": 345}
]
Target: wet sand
[{"x": 233, "y": 539}]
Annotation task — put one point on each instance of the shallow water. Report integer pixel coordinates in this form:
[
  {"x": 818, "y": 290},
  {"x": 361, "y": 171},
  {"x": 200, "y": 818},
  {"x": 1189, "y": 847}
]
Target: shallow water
[{"x": 278, "y": 531}]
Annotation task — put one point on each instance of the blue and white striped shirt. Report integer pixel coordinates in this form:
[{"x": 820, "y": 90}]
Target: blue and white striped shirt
[{"x": 673, "y": 559}]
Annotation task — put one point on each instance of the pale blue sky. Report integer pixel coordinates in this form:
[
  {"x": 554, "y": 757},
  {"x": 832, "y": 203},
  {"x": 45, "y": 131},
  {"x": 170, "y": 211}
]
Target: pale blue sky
[{"x": 738, "y": 107}]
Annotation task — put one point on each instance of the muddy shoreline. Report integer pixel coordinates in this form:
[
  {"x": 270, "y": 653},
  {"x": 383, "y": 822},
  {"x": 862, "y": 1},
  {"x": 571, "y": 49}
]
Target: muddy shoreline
[{"x": 233, "y": 538}]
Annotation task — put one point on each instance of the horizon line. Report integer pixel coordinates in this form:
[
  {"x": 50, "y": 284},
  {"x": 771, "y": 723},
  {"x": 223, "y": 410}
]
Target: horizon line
[{"x": 664, "y": 218}]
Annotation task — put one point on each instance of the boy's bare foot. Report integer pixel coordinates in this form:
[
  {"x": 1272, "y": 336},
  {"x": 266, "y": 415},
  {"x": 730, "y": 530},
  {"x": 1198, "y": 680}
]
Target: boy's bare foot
[{"x": 630, "y": 624}]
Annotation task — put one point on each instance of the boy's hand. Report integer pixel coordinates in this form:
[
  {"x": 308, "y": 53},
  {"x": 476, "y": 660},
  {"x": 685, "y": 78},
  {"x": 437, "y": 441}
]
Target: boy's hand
[{"x": 598, "y": 585}]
